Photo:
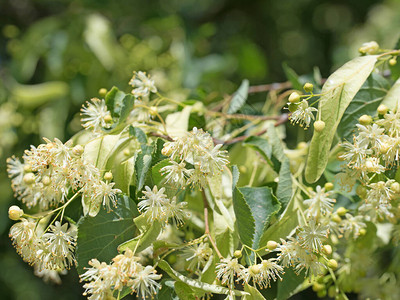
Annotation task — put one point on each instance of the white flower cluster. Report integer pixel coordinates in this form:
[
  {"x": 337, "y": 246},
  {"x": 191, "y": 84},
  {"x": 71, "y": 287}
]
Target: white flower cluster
[
  {"x": 156, "y": 206},
  {"x": 124, "y": 271},
  {"x": 51, "y": 171},
  {"x": 262, "y": 274},
  {"x": 197, "y": 255},
  {"x": 303, "y": 115},
  {"x": 375, "y": 149},
  {"x": 194, "y": 159},
  {"x": 51, "y": 250}
]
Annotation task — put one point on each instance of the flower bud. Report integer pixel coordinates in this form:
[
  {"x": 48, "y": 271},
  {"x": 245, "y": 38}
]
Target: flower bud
[
  {"x": 327, "y": 249},
  {"x": 127, "y": 152},
  {"x": 237, "y": 254},
  {"x": 46, "y": 180},
  {"x": 15, "y": 213},
  {"x": 27, "y": 168},
  {"x": 363, "y": 231},
  {"x": 255, "y": 269},
  {"x": 294, "y": 97},
  {"x": 341, "y": 211},
  {"x": 332, "y": 263},
  {"x": 382, "y": 109},
  {"x": 102, "y": 92},
  {"x": 316, "y": 287},
  {"x": 108, "y": 176},
  {"x": 361, "y": 191},
  {"x": 108, "y": 119},
  {"x": 321, "y": 294},
  {"x": 332, "y": 291},
  {"x": 153, "y": 111},
  {"x": 319, "y": 125},
  {"x": 336, "y": 218},
  {"x": 77, "y": 150},
  {"x": 384, "y": 148},
  {"x": 29, "y": 178},
  {"x": 393, "y": 61},
  {"x": 328, "y": 186},
  {"x": 369, "y": 48},
  {"x": 395, "y": 187},
  {"x": 365, "y": 120},
  {"x": 271, "y": 245},
  {"x": 308, "y": 87}
]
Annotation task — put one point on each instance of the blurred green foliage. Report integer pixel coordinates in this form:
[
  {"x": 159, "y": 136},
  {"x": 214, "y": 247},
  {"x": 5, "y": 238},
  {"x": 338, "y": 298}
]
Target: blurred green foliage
[{"x": 54, "y": 55}]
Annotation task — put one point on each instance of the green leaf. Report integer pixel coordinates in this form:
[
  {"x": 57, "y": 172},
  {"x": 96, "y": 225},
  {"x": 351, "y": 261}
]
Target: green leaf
[
  {"x": 142, "y": 166},
  {"x": 114, "y": 100},
  {"x": 183, "y": 291},
  {"x": 98, "y": 237},
  {"x": 392, "y": 98},
  {"x": 365, "y": 102},
  {"x": 288, "y": 285},
  {"x": 261, "y": 145},
  {"x": 283, "y": 227},
  {"x": 292, "y": 77},
  {"x": 138, "y": 134},
  {"x": 149, "y": 233},
  {"x": 239, "y": 98},
  {"x": 211, "y": 288},
  {"x": 244, "y": 219},
  {"x": 263, "y": 204},
  {"x": 123, "y": 173},
  {"x": 254, "y": 294},
  {"x": 337, "y": 93}
]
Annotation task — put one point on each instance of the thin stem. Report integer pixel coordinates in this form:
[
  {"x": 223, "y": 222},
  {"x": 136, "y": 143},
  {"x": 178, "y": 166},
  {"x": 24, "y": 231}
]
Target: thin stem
[{"x": 207, "y": 227}]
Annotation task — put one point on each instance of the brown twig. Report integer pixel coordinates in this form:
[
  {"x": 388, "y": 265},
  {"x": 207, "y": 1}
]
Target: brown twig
[
  {"x": 244, "y": 117},
  {"x": 207, "y": 226},
  {"x": 163, "y": 136},
  {"x": 269, "y": 87}
]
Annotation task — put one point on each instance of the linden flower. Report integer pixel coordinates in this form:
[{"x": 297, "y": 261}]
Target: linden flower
[
  {"x": 198, "y": 255},
  {"x": 352, "y": 225},
  {"x": 354, "y": 154},
  {"x": 25, "y": 239},
  {"x": 142, "y": 84},
  {"x": 153, "y": 203},
  {"x": 60, "y": 242},
  {"x": 227, "y": 269},
  {"x": 303, "y": 114},
  {"x": 175, "y": 173},
  {"x": 311, "y": 235},
  {"x": 95, "y": 115},
  {"x": 144, "y": 282},
  {"x": 319, "y": 203},
  {"x": 380, "y": 191},
  {"x": 370, "y": 135}
]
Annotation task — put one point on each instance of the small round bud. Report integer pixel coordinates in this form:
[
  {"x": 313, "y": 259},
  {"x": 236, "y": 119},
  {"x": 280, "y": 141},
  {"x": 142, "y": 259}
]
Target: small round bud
[
  {"x": 108, "y": 176},
  {"x": 382, "y": 109},
  {"x": 361, "y": 191},
  {"x": 328, "y": 186},
  {"x": 108, "y": 119},
  {"x": 321, "y": 294},
  {"x": 384, "y": 148},
  {"x": 341, "y": 211},
  {"x": 102, "y": 92},
  {"x": 77, "y": 150},
  {"x": 316, "y": 287},
  {"x": 363, "y": 231},
  {"x": 167, "y": 150},
  {"x": 332, "y": 263},
  {"x": 294, "y": 97},
  {"x": 393, "y": 61},
  {"x": 127, "y": 152},
  {"x": 255, "y": 269},
  {"x": 172, "y": 259},
  {"x": 302, "y": 145},
  {"x": 369, "y": 165},
  {"x": 308, "y": 87},
  {"x": 292, "y": 107},
  {"x": 243, "y": 169},
  {"x": 369, "y": 48},
  {"x": 29, "y": 178},
  {"x": 319, "y": 125},
  {"x": 336, "y": 218},
  {"x": 46, "y": 180},
  {"x": 153, "y": 111},
  {"x": 365, "y": 120},
  {"x": 332, "y": 291},
  {"x": 327, "y": 249},
  {"x": 271, "y": 245},
  {"x": 395, "y": 187},
  {"x": 237, "y": 254},
  {"x": 27, "y": 168},
  {"x": 15, "y": 213}
]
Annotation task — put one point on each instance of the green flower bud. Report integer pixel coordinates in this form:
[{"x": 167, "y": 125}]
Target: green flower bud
[
  {"x": 237, "y": 254},
  {"x": 327, "y": 249},
  {"x": 15, "y": 213},
  {"x": 108, "y": 176},
  {"x": 319, "y": 125},
  {"x": 365, "y": 120},
  {"x": 308, "y": 87},
  {"x": 102, "y": 92},
  {"x": 328, "y": 186},
  {"x": 294, "y": 97},
  {"x": 393, "y": 61},
  {"x": 271, "y": 245},
  {"x": 332, "y": 263},
  {"x": 382, "y": 109},
  {"x": 341, "y": 211},
  {"x": 29, "y": 178}
]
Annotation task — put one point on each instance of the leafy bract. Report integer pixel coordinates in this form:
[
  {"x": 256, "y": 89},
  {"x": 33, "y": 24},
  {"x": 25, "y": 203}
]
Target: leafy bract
[
  {"x": 392, "y": 98},
  {"x": 365, "y": 102},
  {"x": 254, "y": 294},
  {"x": 239, "y": 97},
  {"x": 337, "y": 93},
  {"x": 98, "y": 237}
]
